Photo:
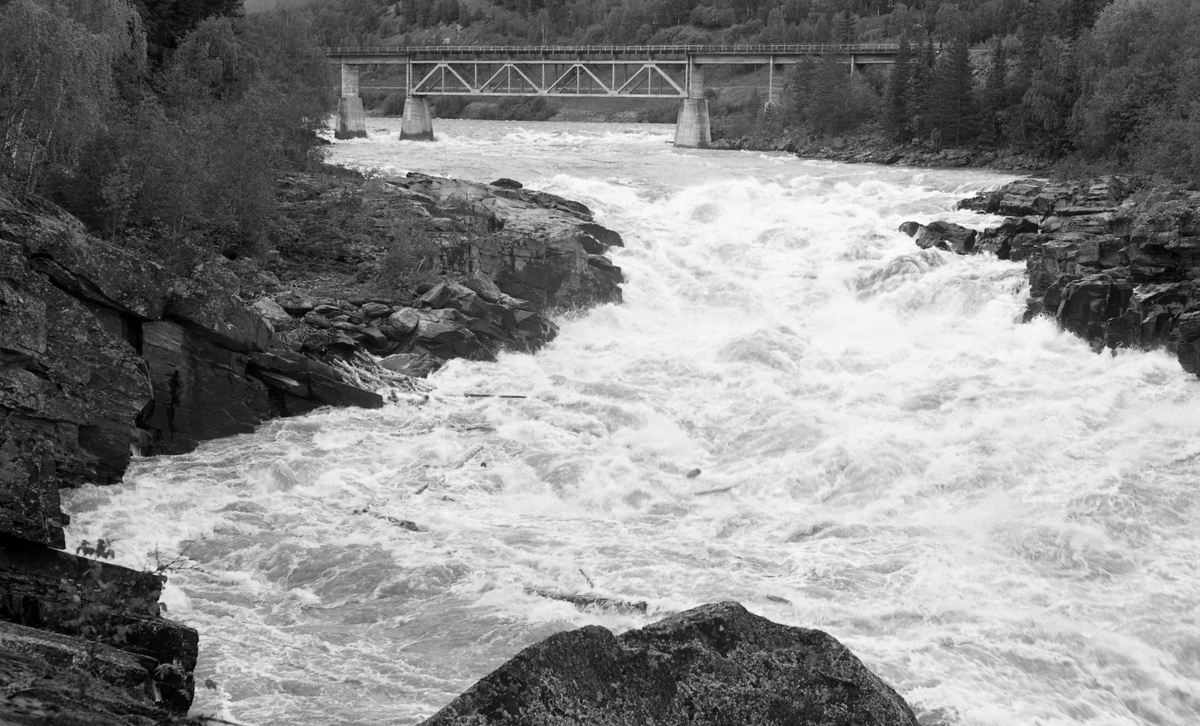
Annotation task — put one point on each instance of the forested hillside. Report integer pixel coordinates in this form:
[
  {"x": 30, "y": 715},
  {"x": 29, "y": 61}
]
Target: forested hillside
[{"x": 1108, "y": 82}]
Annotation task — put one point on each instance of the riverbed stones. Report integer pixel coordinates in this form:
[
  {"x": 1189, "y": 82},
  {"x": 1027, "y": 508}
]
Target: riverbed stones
[
  {"x": 295, "y": 302},
  {"x": 274, "y": 314},
  {"x": 715, "y": 664}
]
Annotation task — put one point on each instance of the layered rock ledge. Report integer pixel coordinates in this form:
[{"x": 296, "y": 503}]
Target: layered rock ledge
[
  {"x": 715, "y": 664},
  {"x": 1114, "y": 262}
]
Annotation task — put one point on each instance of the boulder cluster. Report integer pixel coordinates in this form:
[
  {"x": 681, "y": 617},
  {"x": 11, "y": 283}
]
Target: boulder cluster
[
  {"x": 470, "y": 319},
  {"x": 1116, "y": 264}
]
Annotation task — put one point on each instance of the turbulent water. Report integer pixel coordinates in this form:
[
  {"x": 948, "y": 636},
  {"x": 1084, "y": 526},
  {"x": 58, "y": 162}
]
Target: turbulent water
[{"x": 1002, "y": 524}]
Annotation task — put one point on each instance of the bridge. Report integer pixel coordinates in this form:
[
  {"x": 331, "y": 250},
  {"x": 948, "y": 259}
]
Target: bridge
[{"x": 630, "y": 71}]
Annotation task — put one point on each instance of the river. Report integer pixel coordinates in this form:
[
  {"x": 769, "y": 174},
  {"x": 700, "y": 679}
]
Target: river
[{"x": 1002, "y": 524}]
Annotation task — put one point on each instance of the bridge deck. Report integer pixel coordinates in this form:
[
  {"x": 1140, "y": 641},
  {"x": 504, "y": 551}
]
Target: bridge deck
[
  {"x": 649, "y": 71},
  {"x": 781, "y": 53}
]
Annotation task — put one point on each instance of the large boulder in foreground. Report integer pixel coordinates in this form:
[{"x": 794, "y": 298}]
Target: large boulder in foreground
[{"x": 715, "y": 664}]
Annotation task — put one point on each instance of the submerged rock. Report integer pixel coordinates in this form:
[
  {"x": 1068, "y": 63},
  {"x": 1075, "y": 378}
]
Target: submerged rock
[
  {"x": 941, "y": 235},
  {"x": 715, "y": 664}
]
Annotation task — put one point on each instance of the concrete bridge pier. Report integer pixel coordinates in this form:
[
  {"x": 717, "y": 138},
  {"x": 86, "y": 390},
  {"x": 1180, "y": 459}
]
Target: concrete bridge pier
[
  {"x": 692, "y": 130},
  {"x": 351, "y": 121},
  {"x": 776, "y": 81},
  {"x": 417, "y": 123}
]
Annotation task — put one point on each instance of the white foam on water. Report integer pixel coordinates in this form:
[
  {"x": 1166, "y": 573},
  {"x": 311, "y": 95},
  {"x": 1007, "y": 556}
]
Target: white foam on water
[{"x": 1001, "y": 523}]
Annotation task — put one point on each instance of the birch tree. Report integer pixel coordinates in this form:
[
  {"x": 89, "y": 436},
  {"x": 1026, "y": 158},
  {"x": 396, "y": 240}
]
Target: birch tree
[{"x": 56, "y": 79}]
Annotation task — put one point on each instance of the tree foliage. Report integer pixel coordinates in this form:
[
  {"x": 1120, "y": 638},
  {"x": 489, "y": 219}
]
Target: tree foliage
[
  {"x": 1139, "y": 86},
  {"x": 187, "y": 150},
  {"x": 57, "y": 78},
  {"x": 168, "y": 21}
]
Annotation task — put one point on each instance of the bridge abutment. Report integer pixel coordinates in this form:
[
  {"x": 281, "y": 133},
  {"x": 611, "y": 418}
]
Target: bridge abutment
[
  {"x": 417, "y": 123},
  {"x": 351, "y": 121},
  {"x": 692, "y": 129}
]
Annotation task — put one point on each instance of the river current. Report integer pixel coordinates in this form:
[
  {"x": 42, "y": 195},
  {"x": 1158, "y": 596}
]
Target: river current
[{"x": 1001, "y": 523}]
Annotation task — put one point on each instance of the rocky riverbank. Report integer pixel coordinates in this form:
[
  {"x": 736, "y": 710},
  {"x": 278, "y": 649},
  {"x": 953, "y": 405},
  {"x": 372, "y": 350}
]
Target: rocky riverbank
[
  {"x": 873, "y": 147},
  {"x": 105, "y": 354},
  {"x": 1114, "y": 260}
]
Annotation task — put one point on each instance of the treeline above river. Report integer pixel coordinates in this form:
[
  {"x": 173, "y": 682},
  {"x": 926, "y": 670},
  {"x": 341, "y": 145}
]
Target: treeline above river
[{"x": 1102, "y": 84}]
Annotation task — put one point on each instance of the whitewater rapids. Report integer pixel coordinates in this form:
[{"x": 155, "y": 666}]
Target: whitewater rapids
[{"x": 1002, "y": 524}]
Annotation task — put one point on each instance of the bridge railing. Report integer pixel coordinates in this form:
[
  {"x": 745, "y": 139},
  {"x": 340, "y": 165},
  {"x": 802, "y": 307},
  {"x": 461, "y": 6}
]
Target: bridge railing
[{"x": 444, "y": 50}]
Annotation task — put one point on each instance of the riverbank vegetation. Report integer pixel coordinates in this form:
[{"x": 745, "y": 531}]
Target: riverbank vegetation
[{"x": 161, "y": 124}]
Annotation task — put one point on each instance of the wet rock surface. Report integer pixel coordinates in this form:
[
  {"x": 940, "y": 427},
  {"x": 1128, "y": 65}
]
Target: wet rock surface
[
  {"x": 1113, "y": 261},
  {"x": 715, "y": 664}
]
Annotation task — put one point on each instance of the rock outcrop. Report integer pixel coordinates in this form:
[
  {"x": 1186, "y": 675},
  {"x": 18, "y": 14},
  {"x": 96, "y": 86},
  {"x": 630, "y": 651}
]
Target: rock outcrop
[
  {"x": 108, "y": 353},
  {"x": 50, "y": 600},
  {"x": 50, "y": 682},
  {"x": 508, "y": 259},
  {"x": 550, "y": 251},
  {"x": 470, "y": 319},
  {"x": 1114, "y": 264},
  {"x": 716, "y": 664}
]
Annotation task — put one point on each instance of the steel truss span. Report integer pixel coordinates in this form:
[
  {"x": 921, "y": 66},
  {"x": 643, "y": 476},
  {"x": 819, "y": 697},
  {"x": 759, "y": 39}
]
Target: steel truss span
[{"x": 646, "y": 79}]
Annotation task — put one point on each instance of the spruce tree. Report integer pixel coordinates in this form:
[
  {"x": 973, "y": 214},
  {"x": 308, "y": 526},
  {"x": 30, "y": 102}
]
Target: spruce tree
[
  {"x": 846, "y": 28},
  {"x": 954, "y": 98},
  {"x": 1030, "y": 34},
  {"x": 896, "y": 115},
  {"x": 920, "y": 78},
  {"x": 995, "y": 92}
]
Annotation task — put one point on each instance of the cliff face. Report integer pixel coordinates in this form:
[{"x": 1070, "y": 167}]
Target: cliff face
[{"x": 1117, "y": 266}]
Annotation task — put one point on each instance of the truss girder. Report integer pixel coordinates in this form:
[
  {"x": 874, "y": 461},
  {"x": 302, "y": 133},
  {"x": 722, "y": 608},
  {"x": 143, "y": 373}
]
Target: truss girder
[{"x": 642, "y": 78}]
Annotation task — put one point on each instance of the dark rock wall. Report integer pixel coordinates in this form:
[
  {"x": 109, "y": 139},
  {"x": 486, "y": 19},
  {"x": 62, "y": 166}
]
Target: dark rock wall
[{"x": 106, "y": 354}]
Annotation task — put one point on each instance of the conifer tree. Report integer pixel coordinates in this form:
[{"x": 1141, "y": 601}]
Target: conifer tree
[
  {"x": 953, "y": 106},
  {"x": 896, "y": 108},
  {"x": 919, "y": 88},
  {"x": 1030, "y": 34},
  {"x": 846, "y": 28},
  {"x": 995, "y": 92}
]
